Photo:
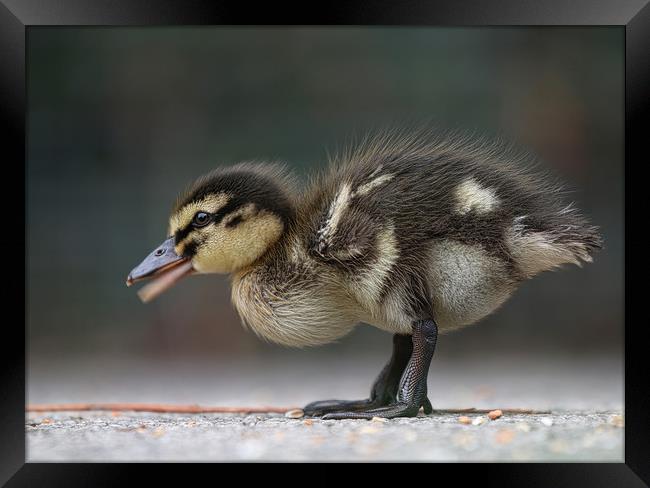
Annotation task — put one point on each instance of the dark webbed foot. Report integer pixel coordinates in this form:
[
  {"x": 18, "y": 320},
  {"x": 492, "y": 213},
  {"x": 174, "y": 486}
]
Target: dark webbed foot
[
  {"x": 412, "y": 390},
  {"x": 395, "y": 410},
  {"x": 316, "y": 409},
  {"x": 330, "y": 408},
  {"x": 384, "y": 390}
]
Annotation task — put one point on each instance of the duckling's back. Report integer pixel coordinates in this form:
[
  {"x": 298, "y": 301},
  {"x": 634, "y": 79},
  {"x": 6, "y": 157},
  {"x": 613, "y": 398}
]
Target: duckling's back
[{"x": 424, "y": 223}]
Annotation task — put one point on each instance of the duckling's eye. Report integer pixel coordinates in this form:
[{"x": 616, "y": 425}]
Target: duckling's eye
[{"x": 201, "y": 219}]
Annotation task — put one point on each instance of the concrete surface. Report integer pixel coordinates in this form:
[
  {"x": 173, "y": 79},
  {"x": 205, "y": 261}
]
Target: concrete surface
[
  {"x": 584, "y": 395},
  {"x": 101, "y": 436}
]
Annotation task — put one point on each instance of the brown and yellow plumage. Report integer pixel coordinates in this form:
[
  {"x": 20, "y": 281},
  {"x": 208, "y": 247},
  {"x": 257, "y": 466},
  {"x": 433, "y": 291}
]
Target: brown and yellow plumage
[{"x": 397, "y": 230}]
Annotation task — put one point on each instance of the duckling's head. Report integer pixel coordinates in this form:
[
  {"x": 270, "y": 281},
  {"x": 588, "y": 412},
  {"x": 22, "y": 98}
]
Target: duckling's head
[{"x": 223, "y": 223}]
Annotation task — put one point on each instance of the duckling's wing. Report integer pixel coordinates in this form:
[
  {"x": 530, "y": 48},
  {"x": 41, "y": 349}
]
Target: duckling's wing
[
  {"x": 350, "y": 215},
  {"x": 343, "y": 233}
]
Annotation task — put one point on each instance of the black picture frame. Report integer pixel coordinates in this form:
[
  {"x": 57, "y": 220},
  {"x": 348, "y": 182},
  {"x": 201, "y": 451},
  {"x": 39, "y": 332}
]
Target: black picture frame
[{"x": 17, "y": 16}]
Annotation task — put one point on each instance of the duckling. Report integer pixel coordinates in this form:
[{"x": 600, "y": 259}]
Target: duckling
[{"x": 416, "y": 234}]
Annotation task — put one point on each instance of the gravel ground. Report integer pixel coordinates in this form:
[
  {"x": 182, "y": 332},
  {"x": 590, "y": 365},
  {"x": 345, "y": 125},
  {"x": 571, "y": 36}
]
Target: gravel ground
[
  {"x": 105, "y": 436},
  {"x": 585, "y": 396}
]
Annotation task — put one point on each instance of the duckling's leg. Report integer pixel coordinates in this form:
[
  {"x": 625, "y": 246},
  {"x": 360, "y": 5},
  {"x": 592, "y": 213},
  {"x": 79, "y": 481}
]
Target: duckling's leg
[
  {"x": 384, "y": 390},
  {"x": 412, "y": 391}
]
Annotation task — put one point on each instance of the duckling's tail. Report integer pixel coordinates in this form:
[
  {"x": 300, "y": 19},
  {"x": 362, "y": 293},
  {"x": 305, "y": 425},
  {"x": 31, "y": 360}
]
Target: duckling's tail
[
  {"x": 570, "y": 239},
  {"x": 581, "y": 245}
]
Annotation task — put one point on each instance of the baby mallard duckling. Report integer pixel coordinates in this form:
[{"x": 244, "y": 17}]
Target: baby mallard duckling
[{"x": 412, "y": 234}]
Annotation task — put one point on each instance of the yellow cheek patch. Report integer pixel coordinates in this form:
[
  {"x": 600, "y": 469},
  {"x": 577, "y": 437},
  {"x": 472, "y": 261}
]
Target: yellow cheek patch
[
  {"x": 211, "y": 203},
  {"x": 228, "y": 249}
]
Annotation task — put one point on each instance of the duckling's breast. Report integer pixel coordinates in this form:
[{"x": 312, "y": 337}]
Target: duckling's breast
[{"x": 293, "y": 303}]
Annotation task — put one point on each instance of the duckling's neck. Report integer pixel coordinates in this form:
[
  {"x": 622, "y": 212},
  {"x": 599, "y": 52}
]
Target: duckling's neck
[{"x": 288, "y": 298}]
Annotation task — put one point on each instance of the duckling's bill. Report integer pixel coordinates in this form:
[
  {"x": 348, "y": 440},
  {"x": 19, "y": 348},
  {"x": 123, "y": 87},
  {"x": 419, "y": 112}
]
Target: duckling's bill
[{"x": 164, "y": 267}]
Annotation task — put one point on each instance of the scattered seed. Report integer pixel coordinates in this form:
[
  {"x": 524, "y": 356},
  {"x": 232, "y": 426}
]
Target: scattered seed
[
  {"x": 379, "y": 419},
  {"x": 308, "y": 422},
  {"x": 494, "y": 414},
  {"x": 46, "y": 421},
  {"x": 617, "y": 421},
  {"x": 479, "y": 421},
  {"x": 464, "y": 420},
  {"x": 294, "y": 414}
]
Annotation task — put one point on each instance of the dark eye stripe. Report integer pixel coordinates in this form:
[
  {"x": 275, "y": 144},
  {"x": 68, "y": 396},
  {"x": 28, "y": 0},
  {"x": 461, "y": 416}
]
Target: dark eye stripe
[
  {"x": 182, "y": 233},
  {"x": 190, "y": 249},
  {"x": 234, "y": 221},
  {"x": 217, "y": 217}
]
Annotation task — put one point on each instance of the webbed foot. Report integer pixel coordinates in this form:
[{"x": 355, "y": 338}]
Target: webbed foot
[{"x": 386, "y": 401}]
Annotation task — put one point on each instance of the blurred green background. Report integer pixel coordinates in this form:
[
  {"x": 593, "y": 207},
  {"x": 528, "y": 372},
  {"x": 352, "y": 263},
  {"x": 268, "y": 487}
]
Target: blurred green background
[{"x": 122, "y": 119}]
